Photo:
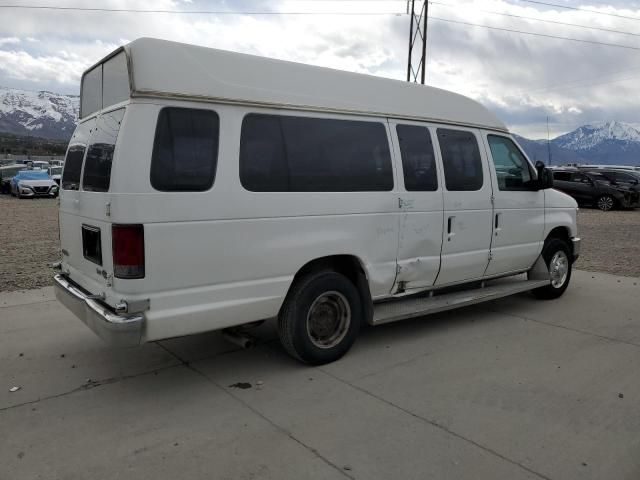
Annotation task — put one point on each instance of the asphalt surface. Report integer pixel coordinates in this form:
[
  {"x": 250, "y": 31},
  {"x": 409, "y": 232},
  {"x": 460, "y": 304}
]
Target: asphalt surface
[{"x": 517, "y": 388}]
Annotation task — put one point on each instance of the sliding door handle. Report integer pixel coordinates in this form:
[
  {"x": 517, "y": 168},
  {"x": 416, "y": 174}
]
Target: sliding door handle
[{"x": 450, "y": 232}]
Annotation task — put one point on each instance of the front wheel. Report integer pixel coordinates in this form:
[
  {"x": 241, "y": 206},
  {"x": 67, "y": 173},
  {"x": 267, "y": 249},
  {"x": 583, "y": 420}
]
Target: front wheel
[
  {"x": 557, "y": 255},
  {"x": 605, "y": 203},
  {"x": 320, "y": 318}
]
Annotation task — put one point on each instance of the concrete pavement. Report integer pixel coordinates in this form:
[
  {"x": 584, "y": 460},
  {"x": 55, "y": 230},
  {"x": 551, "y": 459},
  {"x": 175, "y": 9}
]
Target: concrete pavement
[{"x": 517, "y": 388}]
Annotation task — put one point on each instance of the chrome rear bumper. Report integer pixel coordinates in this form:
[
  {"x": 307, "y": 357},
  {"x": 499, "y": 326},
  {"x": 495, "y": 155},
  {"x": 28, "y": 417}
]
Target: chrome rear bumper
[{"x": 116, "y": 330}]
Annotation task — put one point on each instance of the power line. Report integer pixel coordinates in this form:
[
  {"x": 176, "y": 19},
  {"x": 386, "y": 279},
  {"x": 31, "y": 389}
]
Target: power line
[
  {"x": 580, "y": 9},
  {"x": 191, "y": 12},
  {"x": 541, "y": 20},
  {"x": 592, "y": 42}
]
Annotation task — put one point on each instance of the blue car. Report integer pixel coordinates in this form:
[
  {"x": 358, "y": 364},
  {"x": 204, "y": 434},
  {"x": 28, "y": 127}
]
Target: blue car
[{"x": 33, "y": 183}]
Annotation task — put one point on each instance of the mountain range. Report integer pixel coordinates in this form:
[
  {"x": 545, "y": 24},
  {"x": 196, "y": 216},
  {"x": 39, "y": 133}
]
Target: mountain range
[
  {"x": 608, "y": 143},
  {"x": 39, "y": 114},
  {"x": 50, "y": 115}
]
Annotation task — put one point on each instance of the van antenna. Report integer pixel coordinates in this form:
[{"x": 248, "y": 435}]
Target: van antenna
[{"x": 548, "y": 142}]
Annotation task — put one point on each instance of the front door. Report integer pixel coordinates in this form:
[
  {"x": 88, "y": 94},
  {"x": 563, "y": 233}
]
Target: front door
[
  {"x": 420, "y": 204},
  {"x": 467, "y": 226},
  {"x": 518, "y": 217}
]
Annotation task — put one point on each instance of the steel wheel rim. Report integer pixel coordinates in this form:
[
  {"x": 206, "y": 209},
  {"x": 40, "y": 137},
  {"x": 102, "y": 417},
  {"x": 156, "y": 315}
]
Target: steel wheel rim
[
  {"x": 328, "y": 319},
  {"x": 605, "y": 203},
  {"x": 559, "y": 269}
]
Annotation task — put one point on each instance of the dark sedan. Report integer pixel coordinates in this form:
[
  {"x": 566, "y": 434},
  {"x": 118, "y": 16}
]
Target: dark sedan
[{"x": 597, "y": 189}]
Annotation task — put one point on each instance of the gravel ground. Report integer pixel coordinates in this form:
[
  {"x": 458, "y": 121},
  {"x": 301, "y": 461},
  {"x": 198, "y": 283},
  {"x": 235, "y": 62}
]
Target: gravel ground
[
  {"x": 29, "y": 242},
  {"x": 610, "y": 241}
]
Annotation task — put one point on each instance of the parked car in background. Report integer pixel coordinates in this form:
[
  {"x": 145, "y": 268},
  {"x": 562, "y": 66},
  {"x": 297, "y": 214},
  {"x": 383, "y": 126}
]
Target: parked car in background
[
  {"x": 33, "y": 183},
  {"x": 44, "y": 165},
  {"x": 596, "y": 189},
  {"x": 627, "y": 178},
  {"x": 55, "y": 173},
  {"x": 7, "y": 172},
  {"x": 609, "y": 167}
]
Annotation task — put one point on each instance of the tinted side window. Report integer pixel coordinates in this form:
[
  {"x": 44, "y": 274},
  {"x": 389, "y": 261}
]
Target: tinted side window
[
  {"x": 512, "y": 168},
  {"x": 562, "y": 176},
  {"x": 300, "y": 154},
  {"x": 418, "y": 161},
  {"x": 580, "y": 178},
  {"x": 263, "y": 161},
  {"x": 97, "y": 168},
  {"x": 185, "y": 150},
  {"x": 461, "y": 160}
]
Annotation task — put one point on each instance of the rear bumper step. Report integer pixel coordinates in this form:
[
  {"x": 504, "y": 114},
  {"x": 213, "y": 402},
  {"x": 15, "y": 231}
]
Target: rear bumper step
[{"x": 116, "y": 330}]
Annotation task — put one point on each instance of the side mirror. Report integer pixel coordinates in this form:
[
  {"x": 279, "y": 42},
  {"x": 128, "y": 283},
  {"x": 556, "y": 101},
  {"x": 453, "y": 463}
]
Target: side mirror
[{"x": 545, "y": 176}]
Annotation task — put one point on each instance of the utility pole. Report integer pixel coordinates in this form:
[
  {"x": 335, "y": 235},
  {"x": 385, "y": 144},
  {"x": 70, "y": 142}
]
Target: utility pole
[{"x": 417, "y": 40}]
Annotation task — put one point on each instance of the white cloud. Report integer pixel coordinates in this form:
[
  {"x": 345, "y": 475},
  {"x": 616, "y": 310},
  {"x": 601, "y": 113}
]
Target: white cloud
[
  {"x": 9, "y": 41},
  {"x": 523, "y": 78}
]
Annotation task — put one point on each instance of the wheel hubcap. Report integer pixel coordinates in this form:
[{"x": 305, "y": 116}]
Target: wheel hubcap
[
  {"x": 605, "y": 203},
  {"x": 559, "y": 269},
  {"x": 328, "y": 319}
]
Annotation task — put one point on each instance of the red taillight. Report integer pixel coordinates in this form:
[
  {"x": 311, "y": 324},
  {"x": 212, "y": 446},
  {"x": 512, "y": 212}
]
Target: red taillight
[{"x": 128, "y": 251}]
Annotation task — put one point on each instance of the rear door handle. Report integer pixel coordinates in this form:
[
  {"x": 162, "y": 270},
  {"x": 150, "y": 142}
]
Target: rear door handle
[{"x": 450, "y": 232}]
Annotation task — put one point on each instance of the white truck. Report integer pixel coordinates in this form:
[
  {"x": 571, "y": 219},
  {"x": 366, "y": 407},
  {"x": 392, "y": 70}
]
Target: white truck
[{"x": 206, "y": 190}]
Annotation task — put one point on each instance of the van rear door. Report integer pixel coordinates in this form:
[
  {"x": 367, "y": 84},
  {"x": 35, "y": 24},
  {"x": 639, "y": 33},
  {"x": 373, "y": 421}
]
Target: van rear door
[{"x": 85, "y": 225}]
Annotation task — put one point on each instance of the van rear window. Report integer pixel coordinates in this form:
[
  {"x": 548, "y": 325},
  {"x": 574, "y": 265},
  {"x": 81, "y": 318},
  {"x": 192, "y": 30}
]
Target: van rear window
[
  {"x": 104, "y": 85},
  {"x": 185, "y": 150},
  {"x": 73, "y": 167},
  {"x": 97, "y": 168},
  {"x": 301, "y": 154},
  {"x": 75, "y": 155}
]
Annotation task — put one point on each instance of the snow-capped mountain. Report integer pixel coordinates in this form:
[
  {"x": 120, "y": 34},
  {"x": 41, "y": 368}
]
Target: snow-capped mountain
[
  {"x": 613, "y": 143},
  {"x": 40, "y": 114},
  {"x": 596, "y": 134}
]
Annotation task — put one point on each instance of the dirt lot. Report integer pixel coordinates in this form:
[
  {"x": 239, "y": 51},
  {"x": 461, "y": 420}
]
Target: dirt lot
[
  {"x": 29, "y": 242},
  {"x": 611, "y": 241}
]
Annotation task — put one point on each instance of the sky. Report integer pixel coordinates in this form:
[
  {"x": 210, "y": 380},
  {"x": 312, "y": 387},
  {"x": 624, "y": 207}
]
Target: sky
[{"x": 524, "y": 79}]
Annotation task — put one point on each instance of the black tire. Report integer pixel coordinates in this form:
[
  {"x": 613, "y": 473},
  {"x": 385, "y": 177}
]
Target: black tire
[
  {"x": 331, "y": 295},
  {"x": 605, "y": 202},
  {"x": 552, "y": 247}
]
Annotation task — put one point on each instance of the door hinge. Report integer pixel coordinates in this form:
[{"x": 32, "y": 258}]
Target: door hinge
[
  {"x": 493, "y": 199},
  {"x": 398, "y": 269},
  {"x": 107, "y": 209},
  {"x": 399, "y": 202},
  {"x": 490, "y": 256}
]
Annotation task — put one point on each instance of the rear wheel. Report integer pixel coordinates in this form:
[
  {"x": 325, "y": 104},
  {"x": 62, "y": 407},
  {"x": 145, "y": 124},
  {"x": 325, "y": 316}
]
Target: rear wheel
[
  {"x": 557, "y": 255},
  {"x": 605, "y": 203},
  {"x": 320, "y": 318}
]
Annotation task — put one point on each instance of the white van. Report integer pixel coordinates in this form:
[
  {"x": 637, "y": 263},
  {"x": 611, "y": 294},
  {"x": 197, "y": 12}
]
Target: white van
[{"x": 207, "y": 190}]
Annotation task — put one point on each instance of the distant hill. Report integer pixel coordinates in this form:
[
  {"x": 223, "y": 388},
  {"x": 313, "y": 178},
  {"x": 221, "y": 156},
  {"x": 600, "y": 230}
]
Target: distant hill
[
  {"x": 39, "y": 114},
  {"x": 609, "y": 143}
]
